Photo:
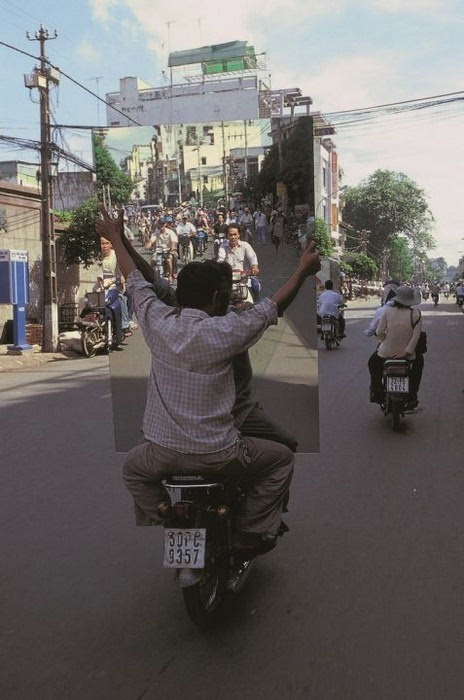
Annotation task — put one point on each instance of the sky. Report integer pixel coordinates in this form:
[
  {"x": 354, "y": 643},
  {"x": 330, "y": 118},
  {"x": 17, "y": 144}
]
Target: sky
[{"x": 344, "y": 54}]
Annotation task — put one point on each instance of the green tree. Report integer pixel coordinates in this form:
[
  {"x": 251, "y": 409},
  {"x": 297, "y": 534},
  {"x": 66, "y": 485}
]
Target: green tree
[
  {"x": 269, "y": 173},
  {"x": 80, "y": 243},
  {"x": 296, "y": 169},
  {"x": 400, "y": 261},
  {"x": 438, "y": 268},
  {"x": 363, "y": 266},
  {"x": 108, "y": 173},
  {"x": 322, "y": 237},
  {"x": 388, "y": 204}
]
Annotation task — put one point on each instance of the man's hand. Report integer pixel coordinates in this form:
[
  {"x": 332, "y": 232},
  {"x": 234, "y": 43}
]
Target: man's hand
[
  {"x": 254, "y": 270},
  {"x": 310, "y": 261},
  {"x": 109, "y": 228}
]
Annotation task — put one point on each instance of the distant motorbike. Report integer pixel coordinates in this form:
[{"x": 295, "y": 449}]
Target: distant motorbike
[
  {"x": 158, "y": 260},
  {"x": 202, "y": 238},
  {"x": 446, "y": 295},
  {"x": 330, "y": 332},
  {"x": 197, "y": 542},
  {"x": 220, "y": 238},
  {"x": 186, "y": 252},
  {"x": 100, "y": 322},
  {"x": 435, "y": 297},
  {"x": 460, "y": 300},
  {"x": 396, "y": 386},
  {"x": 425, "y": 295}
]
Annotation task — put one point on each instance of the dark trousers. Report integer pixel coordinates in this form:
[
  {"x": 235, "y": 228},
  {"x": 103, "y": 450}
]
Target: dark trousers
[{"x": 375, "y": 364}]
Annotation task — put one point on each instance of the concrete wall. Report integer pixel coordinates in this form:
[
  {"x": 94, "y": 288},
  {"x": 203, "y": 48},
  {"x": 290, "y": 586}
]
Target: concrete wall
[{"x": 21, "y": 208}]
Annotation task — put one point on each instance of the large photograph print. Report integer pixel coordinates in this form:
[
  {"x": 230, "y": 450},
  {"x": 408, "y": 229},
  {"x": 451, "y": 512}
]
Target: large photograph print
[{"x": 188, "y": 182}]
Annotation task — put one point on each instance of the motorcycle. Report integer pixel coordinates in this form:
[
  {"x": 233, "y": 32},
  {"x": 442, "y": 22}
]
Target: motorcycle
[
  {"x": 100, "y": 322},
  {"x": 158, "y": 260},
  {"x": 221, "y": 238},
  {"x": 446, "y": 295},
  {"x": 197, "y": 543},
  {"x": 202, "y": 238},
  {"x": 329, "y": 332},
  {"x": 435, "y": 297},
  {"x": 460, "y": 300},
  {"x": 425, "y": 295},
  {"x": 185, "y": 250},
  {"x": 242, "y": 288},
  {"x": 396, "y": 388}
]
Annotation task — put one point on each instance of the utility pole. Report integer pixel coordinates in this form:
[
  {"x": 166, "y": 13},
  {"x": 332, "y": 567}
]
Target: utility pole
[
  {"x": 45, "y": 74},
  {"x": 246, "y": 149},
  {"x": 224, "y": 166}
]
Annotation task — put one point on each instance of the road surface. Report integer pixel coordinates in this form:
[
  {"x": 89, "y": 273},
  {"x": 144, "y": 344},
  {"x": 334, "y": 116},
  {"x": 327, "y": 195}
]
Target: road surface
[{"x": 362, "y": 600}]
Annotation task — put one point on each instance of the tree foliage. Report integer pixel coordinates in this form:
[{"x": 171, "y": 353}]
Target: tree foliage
[
  {"x": 363, "y": 266},
  {"x": 400, "y": 261},
  {"x": 80, "y": 243},
  {"x": 296, "y": 165},
  {"x": 108, "y": 173},
  {"x": 388, "y": 204},
  {"x": 437, "y": 267},
  {"x": 269, "y": 174},
  {"x": 322, "y": 237}
]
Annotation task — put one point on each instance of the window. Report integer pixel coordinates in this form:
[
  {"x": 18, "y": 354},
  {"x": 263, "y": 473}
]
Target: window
[
  {"x": 205, "y": 179},
  {"x": 324, "y": 173},
  {"x": 203, "y": 161}
]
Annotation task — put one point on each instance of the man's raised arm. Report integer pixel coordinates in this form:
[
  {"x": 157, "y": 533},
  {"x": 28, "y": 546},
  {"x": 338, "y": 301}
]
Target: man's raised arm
[{"x": 309, "y": 264}]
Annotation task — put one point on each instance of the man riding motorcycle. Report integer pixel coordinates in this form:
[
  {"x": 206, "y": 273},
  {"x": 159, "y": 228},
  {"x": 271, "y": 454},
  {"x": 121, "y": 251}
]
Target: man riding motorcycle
[
  {"x": 329, "y": 304},
  {"x": 240, "y": 256},
  {"x": 190, "y": 429}
]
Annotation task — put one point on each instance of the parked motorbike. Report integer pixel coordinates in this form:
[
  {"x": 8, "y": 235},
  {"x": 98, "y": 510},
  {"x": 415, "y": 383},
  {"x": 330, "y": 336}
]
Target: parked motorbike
[
  {"x": 197, "y": 543},
  {"x": 396, "y": 385},
  {"x": 100, "y": 322}
]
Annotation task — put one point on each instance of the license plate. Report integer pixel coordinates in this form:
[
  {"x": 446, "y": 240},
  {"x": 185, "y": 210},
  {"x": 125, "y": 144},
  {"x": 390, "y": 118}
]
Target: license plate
[
  {"x": 398, "y": 385},
  {"x": 184, "y": 548},
  {"x": 326, "y": 327}
]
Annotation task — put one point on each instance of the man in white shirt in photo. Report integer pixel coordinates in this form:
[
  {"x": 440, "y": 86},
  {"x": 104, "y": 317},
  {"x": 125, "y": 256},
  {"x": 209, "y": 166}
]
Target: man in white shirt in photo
[
  {"x": 165, "y": 238},
  {"x": 241, "y": 256}
]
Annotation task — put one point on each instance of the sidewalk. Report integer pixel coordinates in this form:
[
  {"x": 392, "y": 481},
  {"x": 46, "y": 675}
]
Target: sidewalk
[{"x": 34, "y": 358}]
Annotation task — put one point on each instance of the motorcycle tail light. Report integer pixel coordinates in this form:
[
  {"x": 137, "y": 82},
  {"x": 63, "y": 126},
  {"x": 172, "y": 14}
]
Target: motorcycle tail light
[{"x": 181, "y": 509}]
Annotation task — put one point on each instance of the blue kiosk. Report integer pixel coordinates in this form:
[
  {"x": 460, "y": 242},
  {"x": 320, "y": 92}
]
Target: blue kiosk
[{"x": 14, "y": 289}]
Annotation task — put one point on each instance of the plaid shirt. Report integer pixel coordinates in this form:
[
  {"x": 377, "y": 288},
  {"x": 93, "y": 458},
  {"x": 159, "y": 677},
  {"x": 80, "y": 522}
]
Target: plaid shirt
[{"x": 191, "y": 390}]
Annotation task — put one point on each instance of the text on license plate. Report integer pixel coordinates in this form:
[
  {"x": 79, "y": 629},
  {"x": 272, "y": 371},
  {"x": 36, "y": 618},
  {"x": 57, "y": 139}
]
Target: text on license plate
[
  {"x": 184, "y": 548},
  {"x": 398, "y": 385},
  {"x": 326, "y": 326}
]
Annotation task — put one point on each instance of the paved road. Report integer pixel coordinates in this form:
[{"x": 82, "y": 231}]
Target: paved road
[
  {"x": 284, "y": 364},
  {"x": 363, "y": 600}
]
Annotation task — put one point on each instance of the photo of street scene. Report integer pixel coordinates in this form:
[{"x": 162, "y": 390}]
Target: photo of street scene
[{"x": 190, "y": 183}]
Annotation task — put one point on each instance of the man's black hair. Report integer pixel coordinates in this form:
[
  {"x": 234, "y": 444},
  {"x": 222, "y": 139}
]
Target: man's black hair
[
  {"x": 197, "y": 282},
  {"x": 329, "y": 284},
  {"x": 233, "y": 225}
]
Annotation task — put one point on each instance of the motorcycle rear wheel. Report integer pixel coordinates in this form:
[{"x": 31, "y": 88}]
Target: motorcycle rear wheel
[
  {"x": 89, "y": 338},
  {"x": 204, "y": 600},
  {"x": 395, "y": 409}
]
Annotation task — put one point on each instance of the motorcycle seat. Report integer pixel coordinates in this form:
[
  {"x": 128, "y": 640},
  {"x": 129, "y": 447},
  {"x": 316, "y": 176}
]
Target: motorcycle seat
[{"x": 192, "y": 481}]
